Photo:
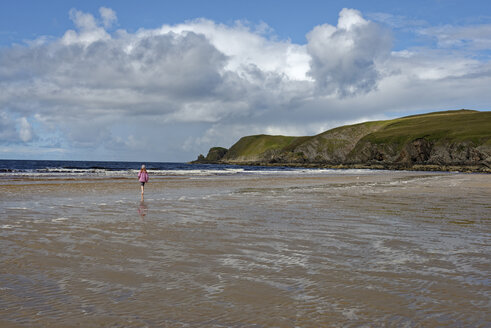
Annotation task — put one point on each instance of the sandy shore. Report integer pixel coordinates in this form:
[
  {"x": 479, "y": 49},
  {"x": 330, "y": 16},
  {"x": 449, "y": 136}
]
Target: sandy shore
[{"x": 378, "y": 248}]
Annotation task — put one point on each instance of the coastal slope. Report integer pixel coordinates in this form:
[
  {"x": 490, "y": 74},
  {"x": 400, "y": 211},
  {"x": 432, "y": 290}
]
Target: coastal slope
[{"x": 450, "y": 140}]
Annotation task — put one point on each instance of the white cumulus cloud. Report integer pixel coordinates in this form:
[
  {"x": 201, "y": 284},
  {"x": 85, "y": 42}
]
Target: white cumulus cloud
[
  {"x": 89, "y": 30},
  {"x": 345, "y": 58},
  {"x": 108, "y": 16},
  {"x": 245, "y": 46}
]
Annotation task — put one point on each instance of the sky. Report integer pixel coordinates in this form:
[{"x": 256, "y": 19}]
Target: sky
[{"x": 167, "y": 80}]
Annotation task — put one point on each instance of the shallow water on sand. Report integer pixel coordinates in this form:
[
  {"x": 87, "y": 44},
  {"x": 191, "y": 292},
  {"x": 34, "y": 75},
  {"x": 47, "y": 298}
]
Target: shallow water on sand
[{"x": 376, "y": 249}]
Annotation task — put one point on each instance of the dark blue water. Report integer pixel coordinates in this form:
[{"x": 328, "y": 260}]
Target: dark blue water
[
  {"x": 41, "y": 165},
  {"x": 54, "y": 168}
]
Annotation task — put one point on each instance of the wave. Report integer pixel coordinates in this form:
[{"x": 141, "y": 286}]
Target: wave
[{"x": 176, "y": 173}]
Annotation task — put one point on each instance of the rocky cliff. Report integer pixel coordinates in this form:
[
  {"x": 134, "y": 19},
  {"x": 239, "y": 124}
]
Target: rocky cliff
[
  {"x": 452, "y": 140},
  {"x": 215, "y": 154}
]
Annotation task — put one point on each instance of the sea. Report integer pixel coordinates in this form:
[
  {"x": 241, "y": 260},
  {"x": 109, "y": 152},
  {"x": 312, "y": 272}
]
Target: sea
[
  {"x": 47, "y": 168},
  {"x": 242, "y": 246}
]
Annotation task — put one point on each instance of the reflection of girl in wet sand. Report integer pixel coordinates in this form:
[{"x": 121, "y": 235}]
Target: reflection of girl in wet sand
[
  {"x": 143, "y": 178},
  {"x": 142, "y": 209}
]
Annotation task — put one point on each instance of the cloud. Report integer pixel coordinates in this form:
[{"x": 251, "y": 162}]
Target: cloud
[
  {"x": 108, "y": 16},
  {"x": 89, "y": 30},
  {"x": 172, "y": 92},
  {"x": 345, "y": 58},
  {"x": 14, "y": 131},
  {"x": 25, "y": 131},
  {"x": 397, "y": 21},
  {"x": 245, "y": 46},
  {"x": 477, "y": 37},
  {"x": 8, "y": 132}
]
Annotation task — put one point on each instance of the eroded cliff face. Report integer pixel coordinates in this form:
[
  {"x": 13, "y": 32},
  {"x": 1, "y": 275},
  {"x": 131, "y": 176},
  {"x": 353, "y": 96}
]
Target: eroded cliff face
[
  {"x": 333, "y": 146},
  {"x": 422, "y": 152}
]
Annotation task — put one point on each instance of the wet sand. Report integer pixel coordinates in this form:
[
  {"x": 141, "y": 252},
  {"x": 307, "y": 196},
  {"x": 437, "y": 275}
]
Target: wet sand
[{"x": 370, "y": 249}]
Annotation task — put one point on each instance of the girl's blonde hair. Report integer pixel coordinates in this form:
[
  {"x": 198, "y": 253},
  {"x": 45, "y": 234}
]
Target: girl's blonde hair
[{"x": 143, "y": 168}]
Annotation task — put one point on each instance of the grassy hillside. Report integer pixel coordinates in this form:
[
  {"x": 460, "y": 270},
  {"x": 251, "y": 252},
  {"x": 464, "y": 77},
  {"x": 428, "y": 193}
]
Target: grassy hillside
[
  {"x": 456, "y": 126},
  {"x": 254, "y": 148},
  {"x": 461, "y": 137}
]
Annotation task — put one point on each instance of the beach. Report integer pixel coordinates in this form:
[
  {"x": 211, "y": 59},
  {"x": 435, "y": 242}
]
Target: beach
[{"x": 332, "y": 248}]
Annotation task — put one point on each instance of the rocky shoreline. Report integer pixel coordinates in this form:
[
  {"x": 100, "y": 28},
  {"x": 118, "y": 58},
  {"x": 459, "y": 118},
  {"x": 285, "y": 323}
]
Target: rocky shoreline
[{"x": 371, "y": 166}]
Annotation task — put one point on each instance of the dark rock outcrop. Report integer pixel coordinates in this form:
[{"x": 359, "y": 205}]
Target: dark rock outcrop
[{"x": 215, "y": 154}]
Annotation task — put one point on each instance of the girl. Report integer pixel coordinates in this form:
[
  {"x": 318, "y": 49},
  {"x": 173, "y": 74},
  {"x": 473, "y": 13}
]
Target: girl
[{"x": 143, "y": 178}]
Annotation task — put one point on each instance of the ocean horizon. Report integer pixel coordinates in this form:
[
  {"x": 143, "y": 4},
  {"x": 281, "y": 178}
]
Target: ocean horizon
[{"x": 64, "y": 168}]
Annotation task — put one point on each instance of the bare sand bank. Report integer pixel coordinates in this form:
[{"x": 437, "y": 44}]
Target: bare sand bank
[{"x": 385, "y": 248}]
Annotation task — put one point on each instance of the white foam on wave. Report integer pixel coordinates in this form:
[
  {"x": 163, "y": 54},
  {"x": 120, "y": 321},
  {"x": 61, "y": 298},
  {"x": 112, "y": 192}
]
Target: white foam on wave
[
  {"x": 313, "y": 171},
  {"x": 63, "y": 173},
  {"x": 203, "y": 172},
  {"x": 59, "y": 219}
]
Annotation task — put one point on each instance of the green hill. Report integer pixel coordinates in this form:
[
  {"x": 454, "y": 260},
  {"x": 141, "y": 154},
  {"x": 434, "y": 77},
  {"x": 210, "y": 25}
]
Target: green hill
[
  {"x": 462, "y": 125},
  {"x": 440, "y": 140},
  {"x": 261, "y": 147}
]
